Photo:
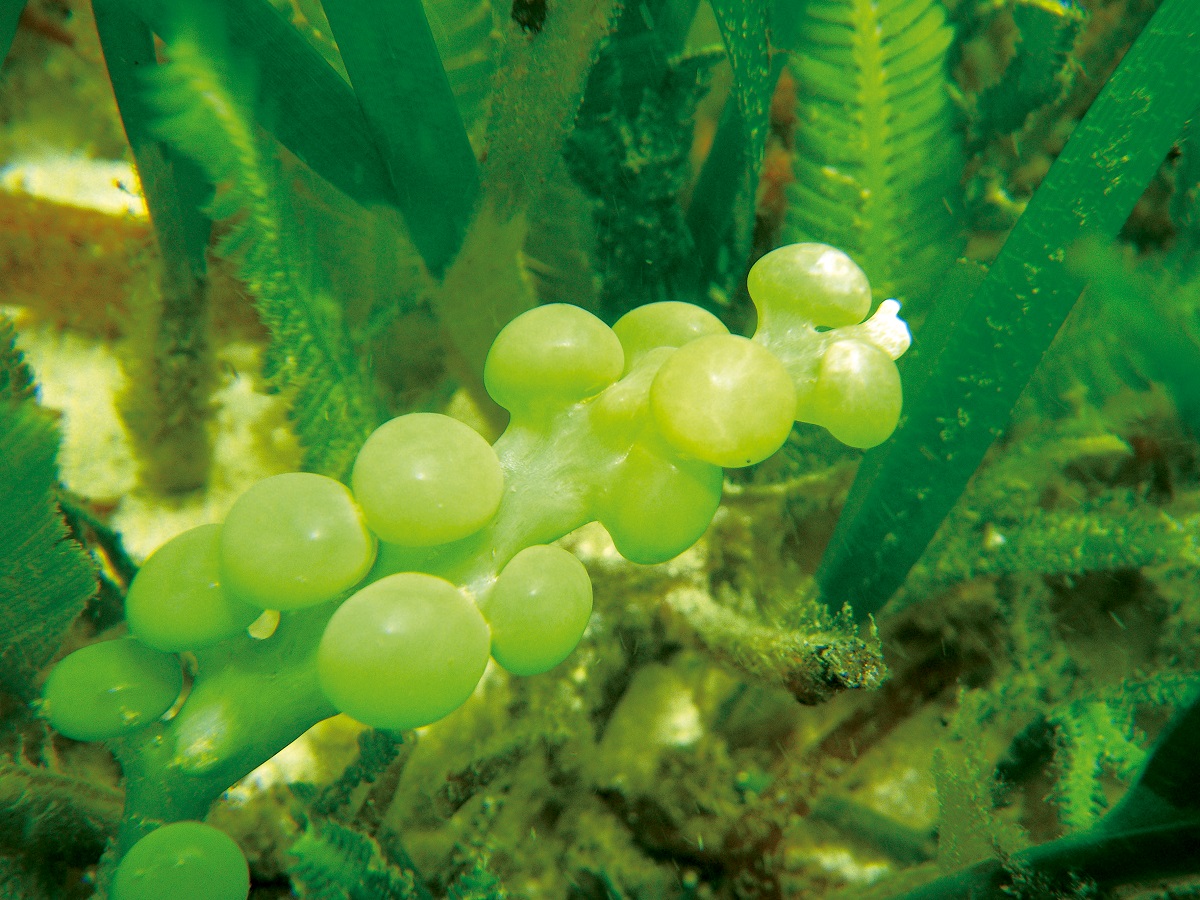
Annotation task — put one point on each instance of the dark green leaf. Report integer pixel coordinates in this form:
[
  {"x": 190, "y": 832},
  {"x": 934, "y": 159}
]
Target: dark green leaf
[
  {"x": 411, "y": 111},
  {"x": 10, "y": 15}
]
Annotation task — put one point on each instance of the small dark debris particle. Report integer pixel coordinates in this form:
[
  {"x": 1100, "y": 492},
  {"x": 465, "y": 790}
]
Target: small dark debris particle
[{"x": 530, "y": 15}]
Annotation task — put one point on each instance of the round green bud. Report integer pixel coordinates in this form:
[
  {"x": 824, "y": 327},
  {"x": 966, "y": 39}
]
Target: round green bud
[
  {"x": 724, "y": 399},
  {"x": 538, "y": 609},
  {"x": 857, "y": 395},
  {"x": 666, "y": 324},
  {"x": 656, "y": 507},
  {"x": 426, "y": 479},
  {"x": 403, "y": 652},
  {"x": 556, "y": 354},
  {"x": 294, "y": 540},
  {"x": 815, "y": 282},
  {"x": 177, "y": 602},
  {"x": 109, "y": 689},
  {"x": 183, "y": 861}
]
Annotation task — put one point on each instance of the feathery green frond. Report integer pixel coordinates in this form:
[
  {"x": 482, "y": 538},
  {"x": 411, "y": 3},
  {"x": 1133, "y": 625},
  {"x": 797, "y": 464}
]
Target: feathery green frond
[
  {"x": 45, "y": 577},
  {"x": 1095, "y": 736},
  {"x": 1099, "y": 736},
  {"x": 376, "y": 751},
  {"x": 877, "y": 153},
  {"x": 55, "y": 815},
  {"x": 16, "y": 378},
  {"x": 205, "y": 96},
  {"x": 334, "y": 862}
]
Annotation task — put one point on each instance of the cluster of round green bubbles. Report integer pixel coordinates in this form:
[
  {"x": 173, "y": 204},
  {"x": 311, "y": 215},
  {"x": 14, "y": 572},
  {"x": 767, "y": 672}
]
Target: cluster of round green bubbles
[{"x": 439, "y": 554}]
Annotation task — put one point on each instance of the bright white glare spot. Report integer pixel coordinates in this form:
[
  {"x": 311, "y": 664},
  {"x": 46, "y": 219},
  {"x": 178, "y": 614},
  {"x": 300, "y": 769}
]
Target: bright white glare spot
[{"x": 110, "y": 186}]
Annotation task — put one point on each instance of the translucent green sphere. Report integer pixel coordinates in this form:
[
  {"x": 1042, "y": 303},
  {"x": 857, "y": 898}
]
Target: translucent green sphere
[
  {"x": 724, "y": 399},
  {"x": 403, "y": 652},
  {"x": 666, "y": 324},
  {"x": 177, "y": 601},
  {"x": 109, "y": 689},
  {"x": 550, "y": 356},
  {"x": 294, "y": 540},
  {"x": 538, "y": 609},
  {"x": 814, "y": 282},
  {"x": 658, "y": 505},
  {"x": 857, "y": 395},
  {"x": 425, "y": 479},
  {"x": 183, "y": 861}
]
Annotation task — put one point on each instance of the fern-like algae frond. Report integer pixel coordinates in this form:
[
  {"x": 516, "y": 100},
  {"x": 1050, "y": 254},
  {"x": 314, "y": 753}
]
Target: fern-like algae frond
[
  {"x": 206, "y": 100},
  {"x": 335, "y": 862},
  {"x": 45, "y": 577},
  {"x": 877, "y": 154}
]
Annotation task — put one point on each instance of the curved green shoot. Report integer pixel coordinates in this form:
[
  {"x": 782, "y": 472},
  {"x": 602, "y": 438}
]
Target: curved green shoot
[{"x": 166, "y": 405}]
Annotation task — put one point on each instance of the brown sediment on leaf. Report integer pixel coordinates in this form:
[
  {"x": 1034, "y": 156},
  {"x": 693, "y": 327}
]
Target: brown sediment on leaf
[
  {"x": 76, "y": 268},
  {"x": 70, "y": 265},
  {"x": 41, "y": 22}
]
